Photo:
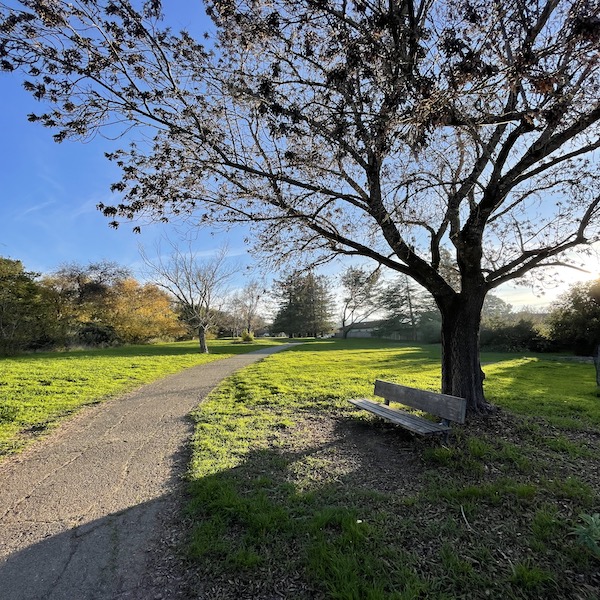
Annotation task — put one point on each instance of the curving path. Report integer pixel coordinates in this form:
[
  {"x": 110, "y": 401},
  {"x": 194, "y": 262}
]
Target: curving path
[{"x": 91, "y": 512}]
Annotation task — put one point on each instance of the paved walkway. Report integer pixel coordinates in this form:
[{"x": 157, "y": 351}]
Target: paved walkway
[{"x": 87, "y": 513}]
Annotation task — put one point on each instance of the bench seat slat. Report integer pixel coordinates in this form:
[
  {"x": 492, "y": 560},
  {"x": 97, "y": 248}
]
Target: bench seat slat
[{"x": 401, "y": 417}]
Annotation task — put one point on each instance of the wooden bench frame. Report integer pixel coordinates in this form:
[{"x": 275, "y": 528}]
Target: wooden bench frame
[{"x": 449, "y": 408}]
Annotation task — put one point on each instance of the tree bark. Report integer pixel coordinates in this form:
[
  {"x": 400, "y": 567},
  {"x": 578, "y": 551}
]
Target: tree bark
[
  {"x": 461, "y": 367},
  {"x": 202, "y": 340}
]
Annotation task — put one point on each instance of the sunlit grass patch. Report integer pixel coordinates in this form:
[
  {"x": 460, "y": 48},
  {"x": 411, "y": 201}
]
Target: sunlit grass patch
[
  {"x": 294, "y": 487},
  {"x": 563, "y": 393},
  {"x": 37, "y": 390}
]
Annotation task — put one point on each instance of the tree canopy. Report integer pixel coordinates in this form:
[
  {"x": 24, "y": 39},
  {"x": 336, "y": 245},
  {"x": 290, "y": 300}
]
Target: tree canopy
[
  {"x": 393, "y": 130},
  {"x": 94, "y": 304},
  {"x": 25, "y": 309}
]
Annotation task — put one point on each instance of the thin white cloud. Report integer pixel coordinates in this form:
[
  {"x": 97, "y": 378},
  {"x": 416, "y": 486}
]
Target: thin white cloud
[
  {"x": 45, "y": 174},
  {"x": 35, "y": 208},
  {"x": 87, "y": 207}
]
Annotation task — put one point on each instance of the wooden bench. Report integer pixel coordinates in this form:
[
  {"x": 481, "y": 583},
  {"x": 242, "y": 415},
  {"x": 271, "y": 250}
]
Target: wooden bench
[{"x": 449, "y": 408}]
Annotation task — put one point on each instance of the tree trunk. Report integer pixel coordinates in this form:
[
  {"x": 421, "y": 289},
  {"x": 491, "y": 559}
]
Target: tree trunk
[
  {"x": 597, "y": 365},
  {"x": 202, "y": 340},
  {"x": 461, "y": 368}
]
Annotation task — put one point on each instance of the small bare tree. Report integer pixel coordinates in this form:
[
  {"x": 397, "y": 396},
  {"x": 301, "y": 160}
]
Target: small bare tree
[
  {"x": 250, "y": 300},
  {"x": 361, "y": 298},
  {"x": 243, "y": 307},
  {"x": 199, "y": 286}
]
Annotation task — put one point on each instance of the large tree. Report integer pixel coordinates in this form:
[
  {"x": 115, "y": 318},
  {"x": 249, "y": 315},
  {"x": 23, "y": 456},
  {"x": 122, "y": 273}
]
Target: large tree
[
  {"x": 140, "y": 313},
  {"x": 388, "y": 129},
  {"x": 83, "y": 292},
  {"x": 25, "y": 310}
]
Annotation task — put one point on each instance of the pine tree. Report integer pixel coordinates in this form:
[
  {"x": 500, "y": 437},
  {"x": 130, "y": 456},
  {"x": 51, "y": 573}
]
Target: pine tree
[{"x": 305, "y": 305}]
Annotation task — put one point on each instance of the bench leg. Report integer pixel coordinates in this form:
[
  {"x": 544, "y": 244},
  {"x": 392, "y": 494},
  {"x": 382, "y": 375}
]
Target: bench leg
[{"x": 447, "y": 434}]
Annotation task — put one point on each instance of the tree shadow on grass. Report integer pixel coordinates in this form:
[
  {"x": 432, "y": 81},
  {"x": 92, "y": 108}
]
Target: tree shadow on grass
[
  {"x": 335, "y": 507},
  {"x": 269, "y": 496},
  {"x": 296, "y": 521},
  {"x": 348, "y": 508}
]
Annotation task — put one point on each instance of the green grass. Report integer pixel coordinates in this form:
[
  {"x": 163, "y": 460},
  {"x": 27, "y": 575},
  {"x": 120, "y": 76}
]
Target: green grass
[
  {"x": 38, "y": 390},
  {"x": 296, "y": 493},
  {"x": 564, "y": 393}
]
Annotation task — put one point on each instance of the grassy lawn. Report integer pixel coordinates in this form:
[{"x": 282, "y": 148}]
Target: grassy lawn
[
  {"x": 296, "y": 494},
  {"x": 37, "y": 390}
]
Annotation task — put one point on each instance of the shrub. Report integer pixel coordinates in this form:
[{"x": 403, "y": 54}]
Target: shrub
[
  {"x": 247, "y": 336},
  {"x": 517, "y": 337},
  {"x": 97, "y": 334},
  {"x": 588, "y": 534},
  {"x": 575, "y": 319}
]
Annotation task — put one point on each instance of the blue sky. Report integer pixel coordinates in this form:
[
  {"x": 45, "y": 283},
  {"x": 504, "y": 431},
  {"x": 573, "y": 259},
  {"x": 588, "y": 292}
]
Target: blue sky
[{"x": 49, "y": 192}]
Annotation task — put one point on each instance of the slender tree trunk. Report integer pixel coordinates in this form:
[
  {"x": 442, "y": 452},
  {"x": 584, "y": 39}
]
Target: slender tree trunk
[
  {"x": 202, "y": 340},
  {"x": 411, "y": 313},
  {"x": 461, "y": 368},
  {"x": 597, "y": 365}
]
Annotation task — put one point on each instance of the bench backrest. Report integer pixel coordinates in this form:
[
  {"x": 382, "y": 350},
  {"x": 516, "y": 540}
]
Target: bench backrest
[{"x": 448, "y": 407}]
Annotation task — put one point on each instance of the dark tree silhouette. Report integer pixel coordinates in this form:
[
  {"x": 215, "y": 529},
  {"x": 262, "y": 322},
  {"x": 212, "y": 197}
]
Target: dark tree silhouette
[{"x": 305, "y": 305}]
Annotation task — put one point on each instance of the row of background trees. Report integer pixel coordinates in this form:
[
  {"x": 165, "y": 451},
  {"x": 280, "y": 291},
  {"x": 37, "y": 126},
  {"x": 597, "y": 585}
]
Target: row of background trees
[
  {"x": 95, "y": 304},
  {"x": 102, "y": 304},
  {"x": 408, "y": 312}
]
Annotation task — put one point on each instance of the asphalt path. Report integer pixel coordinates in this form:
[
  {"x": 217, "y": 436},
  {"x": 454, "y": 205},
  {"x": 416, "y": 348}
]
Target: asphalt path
[{"x": 91, "y": 512}]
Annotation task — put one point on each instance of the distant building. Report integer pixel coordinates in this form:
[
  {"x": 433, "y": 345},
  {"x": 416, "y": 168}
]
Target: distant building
[{"x": 372, "y": 329}]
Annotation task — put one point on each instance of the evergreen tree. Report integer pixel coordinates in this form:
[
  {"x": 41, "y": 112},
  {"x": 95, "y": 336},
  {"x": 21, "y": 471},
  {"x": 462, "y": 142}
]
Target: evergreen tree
[
  {"x": 25, "y": 314},
  {"x": 406, "y": 308},
  {"x": 305, "y": 305}
]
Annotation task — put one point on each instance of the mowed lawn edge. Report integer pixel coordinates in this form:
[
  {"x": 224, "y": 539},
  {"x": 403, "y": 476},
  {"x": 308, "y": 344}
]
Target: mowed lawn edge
[
  {"x": 296, "y": 493},
  {"x": 37, "y": 391}
]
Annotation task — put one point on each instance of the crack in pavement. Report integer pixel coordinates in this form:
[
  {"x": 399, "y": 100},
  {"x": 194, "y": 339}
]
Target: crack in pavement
[
  {"x": 36, "y": 485},
  {"x": 85, "y": 513}
]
